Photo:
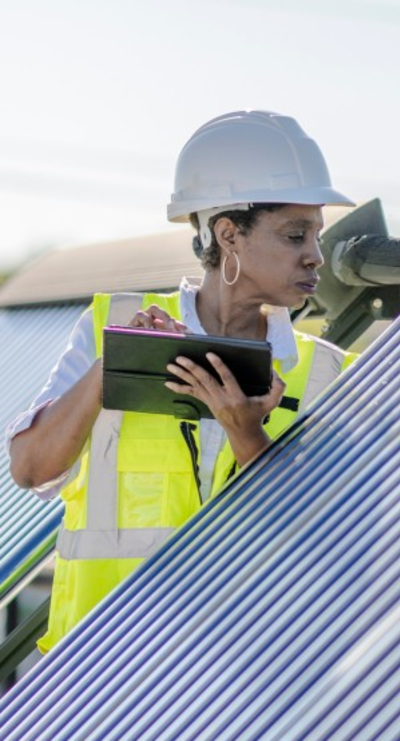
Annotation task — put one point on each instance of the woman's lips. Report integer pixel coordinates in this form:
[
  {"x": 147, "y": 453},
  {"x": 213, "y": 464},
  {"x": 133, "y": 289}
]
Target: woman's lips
[{"x": 309, "y": 287}]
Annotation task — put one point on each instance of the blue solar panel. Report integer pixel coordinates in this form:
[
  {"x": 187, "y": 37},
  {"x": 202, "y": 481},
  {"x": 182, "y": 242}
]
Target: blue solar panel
[
  {"x": 273, "y": 614},
  {"x": 32, "y": 340}
]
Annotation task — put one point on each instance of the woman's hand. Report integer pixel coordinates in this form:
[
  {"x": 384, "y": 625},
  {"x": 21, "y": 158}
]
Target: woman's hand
[
  {"x": 156, "y": 318},
  {"x": 241, "y": 416}
]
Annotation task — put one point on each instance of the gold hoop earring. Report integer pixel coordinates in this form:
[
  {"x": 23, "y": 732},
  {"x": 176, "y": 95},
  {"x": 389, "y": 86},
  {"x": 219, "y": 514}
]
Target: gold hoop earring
[{"x": 230, "y": 282}]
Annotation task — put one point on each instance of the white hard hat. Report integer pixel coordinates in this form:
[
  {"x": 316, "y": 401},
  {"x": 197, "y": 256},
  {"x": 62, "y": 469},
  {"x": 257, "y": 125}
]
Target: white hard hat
[{"x": 250, "y": 157}]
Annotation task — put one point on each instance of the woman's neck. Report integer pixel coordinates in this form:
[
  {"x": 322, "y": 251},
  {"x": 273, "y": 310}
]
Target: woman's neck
[{"x": 223, "y": 312}]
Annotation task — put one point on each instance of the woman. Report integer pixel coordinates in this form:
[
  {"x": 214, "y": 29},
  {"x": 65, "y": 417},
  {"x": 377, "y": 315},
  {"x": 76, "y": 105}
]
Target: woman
[{"x": 252, "y": 184}]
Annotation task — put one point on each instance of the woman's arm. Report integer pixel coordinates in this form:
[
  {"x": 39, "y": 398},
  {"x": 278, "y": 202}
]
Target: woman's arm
[
  {"x": 58, "y": 433},
  {"x": 48, "y": 448}
]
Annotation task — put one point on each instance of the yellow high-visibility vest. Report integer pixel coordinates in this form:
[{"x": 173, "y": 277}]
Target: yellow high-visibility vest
[{"x": 138, "y": 478}]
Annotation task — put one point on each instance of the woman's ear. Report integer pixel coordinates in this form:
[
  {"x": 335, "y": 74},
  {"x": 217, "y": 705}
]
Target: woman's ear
[{"x": 226, "y": 233}]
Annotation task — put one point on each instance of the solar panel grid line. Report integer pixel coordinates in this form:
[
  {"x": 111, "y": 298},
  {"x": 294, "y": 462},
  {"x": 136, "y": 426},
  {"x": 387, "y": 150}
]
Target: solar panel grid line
[
  {"x": 17, "y": 324},
  {"x": 33, "y": 346},
  {"x": 12, "y": 359},
  {"x": 379, "y": 707},
  {"x": 8, "y": 495},
  {"x": 118, "y": 736},
  {"x": 50, "y": 516},
  {"x": 26, "y": 326},
  {"x": 26, "y": 340},
  {"x": 20, "y": 510},
  {"x": 20, "y": 565},
  {"x": 22, "y": 391},
  {"x": 15, "y": 557},
  {"x": 387, "y": 728},
  {"x": 24, "y": 385},
  {"x": 28, "y": 527},
  {"x": 367, "y": 701},
  {"x": 23, "y": 324},
  {"x": 270, "y": 725},
  {"x": 333, "y": 697},
  {"x": 247, "y": 733},
  {"x": 13, "y": 560},
  {"x": 26, "y": 576},
  {"x": 25, "y": 391},
  {"x": 12, "y": 556},
  {"x": 8, "y": 504},
  {"x": 358, "y": 399},
  {"x": 37, "y": 511},
  {"x": 5, "y": 483},
  {"x": 31, "y": 517},
  {"x": 339, "y": 724},
  {"x": 161, "y": 731},
  {"x": 25, "y": 503}
]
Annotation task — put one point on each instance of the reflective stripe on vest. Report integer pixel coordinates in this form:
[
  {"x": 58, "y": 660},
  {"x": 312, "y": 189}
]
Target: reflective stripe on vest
[
  {"x": 102, "y": 538},
  {"x": 132, "y": 543}
]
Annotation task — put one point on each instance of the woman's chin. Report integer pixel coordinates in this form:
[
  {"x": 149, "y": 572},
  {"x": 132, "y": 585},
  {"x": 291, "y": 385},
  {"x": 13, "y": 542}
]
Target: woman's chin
[{"x": 299, "y": 304}]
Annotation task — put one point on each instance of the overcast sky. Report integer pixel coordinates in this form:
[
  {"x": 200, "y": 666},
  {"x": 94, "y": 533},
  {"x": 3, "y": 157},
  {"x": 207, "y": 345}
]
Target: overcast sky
[{"x": 99, "y": 96}]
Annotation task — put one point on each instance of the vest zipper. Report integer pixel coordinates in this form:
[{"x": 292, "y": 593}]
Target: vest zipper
[{"x": 187, "y": 432}]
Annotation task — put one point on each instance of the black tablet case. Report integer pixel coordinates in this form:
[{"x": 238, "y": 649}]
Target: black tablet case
[{"x": 135, "y": 360}]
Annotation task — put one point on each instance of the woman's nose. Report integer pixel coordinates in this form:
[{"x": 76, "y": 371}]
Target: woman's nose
[{"x": 313, "y": 256}]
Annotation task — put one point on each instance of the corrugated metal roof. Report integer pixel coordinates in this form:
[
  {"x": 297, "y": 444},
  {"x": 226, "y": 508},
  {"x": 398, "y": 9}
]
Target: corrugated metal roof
[
  {"x": 31, "y": 341},
  {"x": 273, "y": 614},
  {"x": 144, "y": 263}
]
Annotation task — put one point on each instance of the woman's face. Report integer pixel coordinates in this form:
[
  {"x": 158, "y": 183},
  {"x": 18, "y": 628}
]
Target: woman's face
[{"x": 280, "y": 256}]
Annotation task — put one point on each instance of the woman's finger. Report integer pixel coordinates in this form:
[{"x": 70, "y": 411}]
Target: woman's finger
[
  {"x": 164, "y": 321},
  {"x": 156, "y": 318},
  {"x": 180, "y": 372},
  {"x": 141, "y": 319},
  {"x": 226, "y": 376},
  {"x": 191, "y": 372}
]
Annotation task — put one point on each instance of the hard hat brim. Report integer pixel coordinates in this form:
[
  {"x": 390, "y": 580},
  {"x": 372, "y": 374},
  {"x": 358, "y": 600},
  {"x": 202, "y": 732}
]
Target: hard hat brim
[{"x": 323, "y": 196}]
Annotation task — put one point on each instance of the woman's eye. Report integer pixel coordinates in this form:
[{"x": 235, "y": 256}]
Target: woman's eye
[{"x": 297, "y": 238}]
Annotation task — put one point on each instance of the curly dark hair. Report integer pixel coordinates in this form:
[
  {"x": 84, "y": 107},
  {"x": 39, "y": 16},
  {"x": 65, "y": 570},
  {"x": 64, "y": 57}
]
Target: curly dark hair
[{"x": 244, "y": 220}]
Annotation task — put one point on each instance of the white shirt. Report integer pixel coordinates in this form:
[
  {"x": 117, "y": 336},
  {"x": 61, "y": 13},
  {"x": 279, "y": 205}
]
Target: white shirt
[{"x": 80, "y": 355}]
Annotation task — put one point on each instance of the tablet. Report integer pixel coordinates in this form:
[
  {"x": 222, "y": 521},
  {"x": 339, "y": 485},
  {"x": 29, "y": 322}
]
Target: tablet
[{"x": 135, "y": 368}]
